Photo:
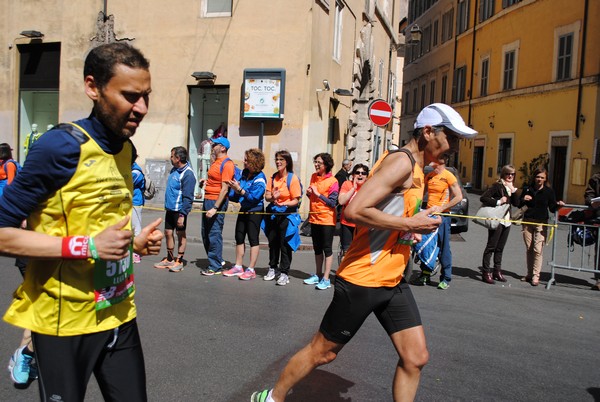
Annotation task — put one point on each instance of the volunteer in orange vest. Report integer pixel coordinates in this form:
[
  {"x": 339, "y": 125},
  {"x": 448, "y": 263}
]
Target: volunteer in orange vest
[{"x": 322, "y": 193}]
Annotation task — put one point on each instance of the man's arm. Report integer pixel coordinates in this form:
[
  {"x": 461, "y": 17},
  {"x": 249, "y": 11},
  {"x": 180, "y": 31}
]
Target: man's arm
[
  {"x": 393, "y": 173},
  {"x": 456, "y": 194}
]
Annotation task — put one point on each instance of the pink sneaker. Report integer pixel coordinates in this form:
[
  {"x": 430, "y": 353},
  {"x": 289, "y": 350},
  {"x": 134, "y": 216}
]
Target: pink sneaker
[
  {"x": 247, "y": 275},
  {"x": 234, "y": 271},
  {"x": 136, "y": 258}
]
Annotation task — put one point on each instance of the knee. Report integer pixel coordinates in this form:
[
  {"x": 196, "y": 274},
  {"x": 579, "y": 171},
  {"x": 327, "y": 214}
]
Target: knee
[{"x": 415, "y": 359}]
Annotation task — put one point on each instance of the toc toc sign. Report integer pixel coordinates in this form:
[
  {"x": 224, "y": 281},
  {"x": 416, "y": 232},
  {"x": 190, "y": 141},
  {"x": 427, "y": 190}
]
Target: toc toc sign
[{"x": 380, "y": 113}]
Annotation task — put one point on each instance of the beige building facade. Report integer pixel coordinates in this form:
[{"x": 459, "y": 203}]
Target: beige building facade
[{"x": 328, "y": 60}]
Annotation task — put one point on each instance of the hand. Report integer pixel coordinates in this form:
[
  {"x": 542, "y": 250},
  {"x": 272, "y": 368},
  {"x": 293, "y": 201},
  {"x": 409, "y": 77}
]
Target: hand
[
  {"x": 596, "y": 204},
  {"x": 201, "y": 183},
  {"x": 275, "y": 194},
  {"x": 211, "y": 212},
  {"x": 113, "y": 242},
  {"x": 503, "y": 200},
  {"x": 148, "y": 241},
  {"x": 180, "y": 222},
  {"x": 527, "y": 197},
  {"x": 560, "y": 204},
  {"x": 423, "y": 223},
  {"x": 234, "y": 184},
  {"x": 355, "y": 182},
  {"x": 314, "y": 190}
]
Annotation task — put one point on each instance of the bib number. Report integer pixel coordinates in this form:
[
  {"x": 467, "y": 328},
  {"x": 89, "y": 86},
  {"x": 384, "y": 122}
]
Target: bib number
[{"x": 113, "y": 281}]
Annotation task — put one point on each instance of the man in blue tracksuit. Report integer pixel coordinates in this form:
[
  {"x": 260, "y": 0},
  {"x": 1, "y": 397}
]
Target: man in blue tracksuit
[{"x": 179, "y": 196}]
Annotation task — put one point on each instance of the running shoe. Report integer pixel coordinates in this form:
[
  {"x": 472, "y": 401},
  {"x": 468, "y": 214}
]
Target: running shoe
[
  {"x": 443, "y": 285},
  {"x": 247, "y": 275},
  {"x": 283, "y": 280},
  {"x": 422, "y": 280},
  {"x": 324, "y": 284},
  {"x": 164, "y": 264},
  {"x": 176, "y": 267},
  {"x": 270, "y": 275},
  {"x": 136, "y": 258},
  {"x": 234, "y": 271},
  {"x": 260, "y": 396},
  {"x": 210, "y": 272},
  {"x": 20, "y": 366},
  {"x": 313, "y": 280}
]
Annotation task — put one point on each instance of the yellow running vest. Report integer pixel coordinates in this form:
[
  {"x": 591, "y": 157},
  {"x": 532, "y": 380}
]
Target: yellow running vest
[{"x": 75, "y": 297}]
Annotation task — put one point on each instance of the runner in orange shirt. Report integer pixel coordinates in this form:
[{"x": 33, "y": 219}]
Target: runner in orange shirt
[{"x": 370, "y": 278}]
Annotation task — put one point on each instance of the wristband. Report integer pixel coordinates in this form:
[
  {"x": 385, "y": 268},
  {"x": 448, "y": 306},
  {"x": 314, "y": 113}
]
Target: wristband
[
  {"x": 93, "y": 249},
  {"x": 75, "y": 247}
]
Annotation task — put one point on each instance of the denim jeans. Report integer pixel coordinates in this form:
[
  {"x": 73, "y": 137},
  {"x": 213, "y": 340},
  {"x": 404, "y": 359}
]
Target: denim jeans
[
  {"x": 445, "y": 255},
  {"x": 212, "y": 234}
]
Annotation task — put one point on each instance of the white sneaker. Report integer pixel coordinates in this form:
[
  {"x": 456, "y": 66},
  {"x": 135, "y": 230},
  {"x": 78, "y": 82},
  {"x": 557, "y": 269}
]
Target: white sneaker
[
  {"x": 270, "y": 275},
  {"x": 283, "y": 280}
]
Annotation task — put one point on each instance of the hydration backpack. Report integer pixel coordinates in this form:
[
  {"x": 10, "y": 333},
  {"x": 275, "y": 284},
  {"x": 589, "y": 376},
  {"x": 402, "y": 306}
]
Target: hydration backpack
[
  {"x": 237, "y": 175},
  {"x": 150, "y": 190}
]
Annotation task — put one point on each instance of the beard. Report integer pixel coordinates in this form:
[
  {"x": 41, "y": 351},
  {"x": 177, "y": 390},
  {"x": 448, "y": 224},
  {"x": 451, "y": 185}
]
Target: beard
[{"x": 116, "y": 124}]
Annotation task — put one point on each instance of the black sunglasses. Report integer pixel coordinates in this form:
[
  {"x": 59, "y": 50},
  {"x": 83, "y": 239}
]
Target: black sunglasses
[{"x": 360, "y": 173}]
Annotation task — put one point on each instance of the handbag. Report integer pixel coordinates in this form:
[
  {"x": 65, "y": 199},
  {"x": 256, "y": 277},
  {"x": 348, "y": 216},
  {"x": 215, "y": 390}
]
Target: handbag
[
  {"x": 493, "y": 216},
  {"x": 518, "y": 214}
]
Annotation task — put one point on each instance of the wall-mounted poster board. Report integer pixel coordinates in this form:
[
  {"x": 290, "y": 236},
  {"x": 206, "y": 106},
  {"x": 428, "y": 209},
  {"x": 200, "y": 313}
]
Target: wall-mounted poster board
[{"x": 264, "y": 94}]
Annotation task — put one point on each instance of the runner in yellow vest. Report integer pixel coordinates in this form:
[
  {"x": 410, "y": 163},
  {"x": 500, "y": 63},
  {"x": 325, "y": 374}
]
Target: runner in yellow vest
[{"x": 76, "y": 193}]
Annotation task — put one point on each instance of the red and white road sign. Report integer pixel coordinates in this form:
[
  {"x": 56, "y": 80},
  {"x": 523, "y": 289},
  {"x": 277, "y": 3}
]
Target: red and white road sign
[{"x": 380, "y": 113}]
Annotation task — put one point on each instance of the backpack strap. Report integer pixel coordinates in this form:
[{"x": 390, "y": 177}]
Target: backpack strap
[
  {"x": 224, "y": 162},
  {"x": 74, "y": 130}
]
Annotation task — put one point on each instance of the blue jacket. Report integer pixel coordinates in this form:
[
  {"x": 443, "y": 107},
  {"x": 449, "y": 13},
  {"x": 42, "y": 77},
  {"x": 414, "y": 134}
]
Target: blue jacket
[
  {"x": 179, "y": 193},
  {"x": 139, "y": 185},
  {"x": 292, "y": 233},
  {"x": 255, "y": 187}
]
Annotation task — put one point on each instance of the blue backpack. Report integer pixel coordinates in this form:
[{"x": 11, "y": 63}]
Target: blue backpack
[
  {"x": 4, "y": 182},
  {"x": 237, "y": 175}
]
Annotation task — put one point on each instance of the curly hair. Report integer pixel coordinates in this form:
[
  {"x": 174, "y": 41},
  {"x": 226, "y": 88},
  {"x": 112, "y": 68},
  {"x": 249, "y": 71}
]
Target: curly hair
[
  {"x": 255, "y": 160},
  {"x": 362, "y": 166},
  {"x": 101, "y": 61},
  {"x": 327, "y": 161}
]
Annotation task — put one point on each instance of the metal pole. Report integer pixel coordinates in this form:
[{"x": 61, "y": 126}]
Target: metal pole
[{"x": 261, "y": 135}]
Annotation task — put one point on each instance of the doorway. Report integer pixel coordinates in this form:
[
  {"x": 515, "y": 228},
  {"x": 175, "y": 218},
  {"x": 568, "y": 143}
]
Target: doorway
[
  {"x": 477, "y": 172},
  {"x": 558, "y": 165},
  {"x": 207, "y": 110},
  {"x": 39, "y": 77}
]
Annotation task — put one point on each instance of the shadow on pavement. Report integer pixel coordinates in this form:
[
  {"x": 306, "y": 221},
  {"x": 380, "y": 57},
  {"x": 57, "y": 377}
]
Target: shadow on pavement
[{"x": 329, "y": 387}]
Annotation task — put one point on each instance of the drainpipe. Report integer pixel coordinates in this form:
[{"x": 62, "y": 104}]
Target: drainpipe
[
  {"x": 472, "y": 61},
  {"x": 581, "y": 66}
]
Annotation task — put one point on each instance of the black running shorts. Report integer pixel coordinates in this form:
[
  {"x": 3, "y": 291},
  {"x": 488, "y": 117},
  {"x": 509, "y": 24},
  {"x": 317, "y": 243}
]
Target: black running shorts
[
  {"x": 171, "y": 218},
  {"x": 394, "y": 307}
]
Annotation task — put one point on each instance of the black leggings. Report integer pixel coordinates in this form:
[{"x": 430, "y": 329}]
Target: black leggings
[
  {"x": 248, "y": 224},
  {"x": 66, "y": 363},
  {"x": 322, "y": 238}
]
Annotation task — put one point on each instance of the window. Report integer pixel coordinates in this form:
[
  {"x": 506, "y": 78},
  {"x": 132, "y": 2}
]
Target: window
[
  {"x": 504, "y": 152},
  {"x": 435, "y": 33},
  {"x": 484, "y": 74},
  {"x": 432, "y": 92},
  {"x": 426, "y": 39},
  {"x": 462, "y": 16},
  {"x": 486, "y": 9},
  {"x": 423, "y": 90},
  {"x": 444, "y": 88},
  {"x": 460, "y": 76},
  {"x": 406, "y": 101},
  {"x": 508, "y": 3},
  {"x": 337, "y": 33},
  {"x": 217, "y": 8},
  {"x": 565, "y": 55},
  {"x": 509, "y": 70},
  {"x": 414, "y": 105},
  {"x": 447, "y": 22}
]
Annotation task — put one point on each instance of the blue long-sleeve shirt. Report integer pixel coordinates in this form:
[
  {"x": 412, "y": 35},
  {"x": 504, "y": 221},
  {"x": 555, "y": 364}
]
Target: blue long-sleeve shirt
[
  {"x": 254, "y": 188},
  {"x": 139, "y": 185},
  {"x": 51, "y": 163},
  {"x": 179, "y": 193}
]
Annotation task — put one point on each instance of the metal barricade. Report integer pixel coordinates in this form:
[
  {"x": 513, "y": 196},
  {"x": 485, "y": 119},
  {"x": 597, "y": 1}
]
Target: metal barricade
[{"x": 578, "y": 257}]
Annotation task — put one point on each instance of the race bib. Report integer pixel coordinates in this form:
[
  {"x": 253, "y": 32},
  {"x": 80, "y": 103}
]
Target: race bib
[{"x": 113, "y": 281}]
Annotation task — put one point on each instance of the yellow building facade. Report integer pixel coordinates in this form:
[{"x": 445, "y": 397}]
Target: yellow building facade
[
  {"x": 525, "y": 75},
  {"x": 200, "y": 52}
]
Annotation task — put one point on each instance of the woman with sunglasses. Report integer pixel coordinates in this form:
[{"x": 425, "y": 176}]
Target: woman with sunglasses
[
  {"x": 539, "y": 199},
  {"x": 347, "y": 192},
  {"x": 323, "y": 194},
  {"x": 501, "y": 192}
]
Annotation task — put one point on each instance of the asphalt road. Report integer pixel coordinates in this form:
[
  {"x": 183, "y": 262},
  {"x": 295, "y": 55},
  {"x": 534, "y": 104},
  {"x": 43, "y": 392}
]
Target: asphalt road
[{"x": 220, "y": 339}]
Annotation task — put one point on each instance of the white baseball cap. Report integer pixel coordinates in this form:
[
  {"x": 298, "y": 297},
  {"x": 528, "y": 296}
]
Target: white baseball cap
[{"x": 440, "y": 114}]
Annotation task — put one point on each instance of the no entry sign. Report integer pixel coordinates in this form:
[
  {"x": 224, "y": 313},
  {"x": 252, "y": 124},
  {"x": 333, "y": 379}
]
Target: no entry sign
[{"x": 380, "y": 113}]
